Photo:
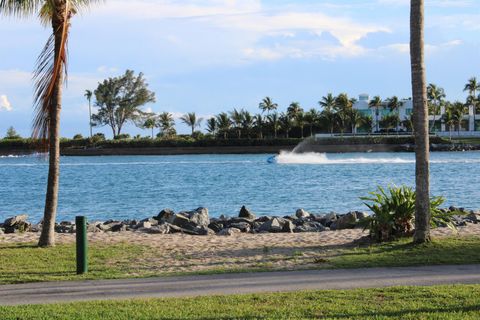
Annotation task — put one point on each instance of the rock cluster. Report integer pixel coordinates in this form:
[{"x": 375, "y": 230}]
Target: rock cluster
[{"x": 198, "y": 222}]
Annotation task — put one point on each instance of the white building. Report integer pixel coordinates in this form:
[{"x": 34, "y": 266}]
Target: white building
[{"x": 470, "y": 125}]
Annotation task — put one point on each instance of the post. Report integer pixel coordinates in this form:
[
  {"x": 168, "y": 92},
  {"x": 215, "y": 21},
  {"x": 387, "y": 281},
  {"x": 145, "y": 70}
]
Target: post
[{"x": 82, "y": 245}]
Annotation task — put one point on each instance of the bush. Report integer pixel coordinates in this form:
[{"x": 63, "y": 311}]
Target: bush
[
  {"x": 394, "y": 213},
  {"x": 123, "y": 136},
  {"x": 78, "y": 136}
]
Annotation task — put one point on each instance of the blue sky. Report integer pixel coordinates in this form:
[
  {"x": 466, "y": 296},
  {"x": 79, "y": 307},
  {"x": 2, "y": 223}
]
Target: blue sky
[{"x": 209, "y": 56}]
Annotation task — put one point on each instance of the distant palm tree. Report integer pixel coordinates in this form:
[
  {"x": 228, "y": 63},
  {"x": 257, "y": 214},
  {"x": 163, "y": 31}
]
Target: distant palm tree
[
  {"x": 355, "y": 120},
  {"x": 376, "y": 103},
  {"x": 212, "y": 126},
  {"x": 166, "y": 123},
  {"x": 312, "y": 117},
  {"x": 274, "y": 122},
  {"x": 300, "y": 121},
  {"x": 48, "y": 82},
  {"x": 458, "y": 110},
  {"x": 343, "y": 106},
  {"x": 449, "y": 119},
  {"x": 420, "y": 118},
  {"x": 151, "y": 122},
  {"x": 237, "y": 120},
  {"x": 472, "y": 87},
  {"x": 394, "y": 104},
  {"x": 267, "y": 105},
  {"x": 259, "y": 122},
  {"x": 435, "y": 96},
  {"x": 224, "y": 124},
  {"x": 327, "y": 102},
  {"x": 294, "y": 110},
  {"x": 191, "y": 120},
  {"x": 367, "y": 121},
  {"x": 286, "y": 124},
  {"x": 89, "y": 94},
  {"x": 248, "y": 122}
]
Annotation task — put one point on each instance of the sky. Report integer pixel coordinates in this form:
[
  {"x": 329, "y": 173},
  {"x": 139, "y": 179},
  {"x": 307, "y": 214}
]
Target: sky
[{"x": 210, "y": 56}]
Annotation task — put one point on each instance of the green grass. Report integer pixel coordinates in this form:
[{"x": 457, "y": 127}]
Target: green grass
[
  {"x": 27, "y": 263},
  {"x": 441, "y": 302},
  {"x": 404, "y": 253}
]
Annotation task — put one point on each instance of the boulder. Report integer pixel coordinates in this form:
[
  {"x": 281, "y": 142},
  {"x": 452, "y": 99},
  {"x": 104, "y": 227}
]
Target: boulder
[
  {"x": 302, "y": 214},
  {"x": 274, "y": 225},
  {"x": 216, "y": 225},
  {"x": 200, "y": 217},
  {"x": 144, "y": 225},
  {"x": 166, "y": 215},
  {"x": 119, "y": 227},
  {"x": 242, "y": 226},
  {"x": 288, "y": 227},
  {"x": 229, "y": 232},
  {"x": 312, "y": 226},
  {"x": 13, "y": 221},
  {"x": 473, "y": 217},
  {"x": 246, "y": 213},
  {"x": 159, "y": 229},
  {"x": 347, "y": 221}
]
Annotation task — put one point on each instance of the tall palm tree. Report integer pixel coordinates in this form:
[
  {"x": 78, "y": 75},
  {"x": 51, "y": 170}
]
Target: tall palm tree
[
  {"x": 312, "y": 117},
  {"x": 355, "y": 120},
  {"x": 89, "y": 94},
  {"x": 376, "y": 103},
  {"x": 267, "y": 105},
  {"x": 49, "y": 78},
  {"x": 343, "y": 106},
  {"x": 274, "y": 121},
  {"x": 191, "y": 120},
  {"x": 294, "y": 110},
  {"x": 472, "y": 87},
  {"x": 258, "y": 122},
  {"x": 248, "y": 122},
  {"x": 458, "y": 110},
  {"x": 286, "y": 124},
  {"x": 166, "y": 123},
  {"x": 420, "y": 106},
  {"x": 300, "y": 121},
  {"x": 394, "y": 104},
  {"x": 151, "y": 122},
  {"x": 449, "y": 119},
  {"x": 212, "y": 126},
  {"x": 328, "y": 111},
  {"x": 367, "y": 121},
  {"x": 224, "y": 123},
  {"x": 237, "y": 120},
  {"x": 435, "y": 96}
]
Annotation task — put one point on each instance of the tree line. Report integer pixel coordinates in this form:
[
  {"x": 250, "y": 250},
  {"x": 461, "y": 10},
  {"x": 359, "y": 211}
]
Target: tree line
[{"x": 120, "y": 100}]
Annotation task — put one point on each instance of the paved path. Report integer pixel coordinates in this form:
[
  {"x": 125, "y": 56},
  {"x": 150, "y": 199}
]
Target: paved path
[{"x": 53, "y": 292}]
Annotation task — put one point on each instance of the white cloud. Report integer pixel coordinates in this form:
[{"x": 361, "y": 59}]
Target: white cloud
[
  {"x": 404, "y": 48},
  {"x": 4, "y": 103}
]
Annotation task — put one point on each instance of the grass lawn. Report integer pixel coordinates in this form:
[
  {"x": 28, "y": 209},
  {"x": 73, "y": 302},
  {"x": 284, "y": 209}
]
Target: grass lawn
[
  {"x": 442, "y": 302},
  {"x": 26, "y": 263}
]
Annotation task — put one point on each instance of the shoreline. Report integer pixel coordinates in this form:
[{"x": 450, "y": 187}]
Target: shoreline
[{"x": 170, "y": 151}]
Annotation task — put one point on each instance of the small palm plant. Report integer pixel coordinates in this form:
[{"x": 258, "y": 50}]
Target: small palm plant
[{"x": 394, "y": 213}]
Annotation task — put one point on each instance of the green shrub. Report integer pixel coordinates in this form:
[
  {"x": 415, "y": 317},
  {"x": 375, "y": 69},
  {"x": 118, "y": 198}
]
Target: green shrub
[{"x": 394, "y": 213}]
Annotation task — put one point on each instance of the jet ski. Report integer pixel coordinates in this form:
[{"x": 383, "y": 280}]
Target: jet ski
[{"x": 272, "y": 160}]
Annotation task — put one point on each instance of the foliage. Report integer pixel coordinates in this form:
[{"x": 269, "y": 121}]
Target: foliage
[
  {"x": 78, "y": 136},
  {"x": 394, "y": 213},
  {"x": 119, "y": 101},
  {"x": 12, "y": 134}
]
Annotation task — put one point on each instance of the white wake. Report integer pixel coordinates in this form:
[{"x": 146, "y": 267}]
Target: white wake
[{"x": 286, "y": 157}]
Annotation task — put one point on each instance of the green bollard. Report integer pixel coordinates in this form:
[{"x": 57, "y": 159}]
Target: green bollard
[{"x": 82, "y": 245}]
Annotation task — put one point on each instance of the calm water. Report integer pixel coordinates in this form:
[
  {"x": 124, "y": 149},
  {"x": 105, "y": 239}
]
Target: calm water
[{"x": 137, "y": 187}]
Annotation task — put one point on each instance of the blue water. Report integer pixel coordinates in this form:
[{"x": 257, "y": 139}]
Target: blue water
[{"x": 140, "y": 186}]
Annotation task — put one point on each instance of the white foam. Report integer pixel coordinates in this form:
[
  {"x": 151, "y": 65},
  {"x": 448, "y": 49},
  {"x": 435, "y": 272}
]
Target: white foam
[{"x": 321, "y": 158}]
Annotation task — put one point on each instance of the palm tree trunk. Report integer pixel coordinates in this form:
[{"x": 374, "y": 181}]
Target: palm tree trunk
[
  {"x": 47, "y": 237},
  {"x": 90, "y": 113},
  {"x": 422, "y": 139}
]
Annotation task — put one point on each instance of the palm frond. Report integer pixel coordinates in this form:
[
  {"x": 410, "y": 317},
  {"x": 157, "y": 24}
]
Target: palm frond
[
  {"x": 49, "y": 69},
  {"x": 20, "y": 8}
]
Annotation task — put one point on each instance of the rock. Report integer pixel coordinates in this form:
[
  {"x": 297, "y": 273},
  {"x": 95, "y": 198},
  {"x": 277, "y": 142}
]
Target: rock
[
  {"x": 312, "y": 226},
  {"x": 152, "y": 221},
  {"x": 159, "y": 229},
  {"x": 13, "y": 221},
  {"x": 263, "y": 219},
  {"x": 302, "y": 214},
  {"x": 229, "y": 232},
  {"x": 347, "y": 221},
  {"x": 92, "y": 227},
  {"x": 288, "y": 227},
  {"x": 361, "y": 215},
  {"x": 166, "y": 215},
  {"x": 473, "y": 217},
  {"x": 242, "y": 226},
  {"x": 182, "y": 221},
  {"x": 144, "y": 225},
  {"x": 216, "y": 226},
  {"x": 200, "y": 217},
  {"x": 120, "y": 227},
  {"x": 1, "y": 231},
  {"x": 246, "y": 213},
  {"x": 275, "y": 225},
  {"x": 65, "y": 228}
]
